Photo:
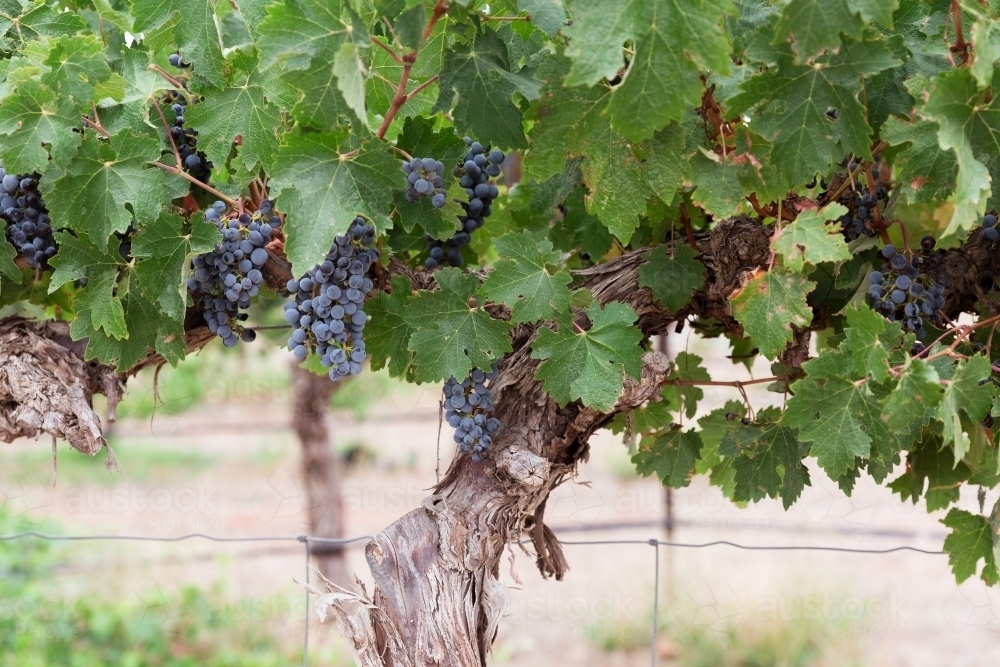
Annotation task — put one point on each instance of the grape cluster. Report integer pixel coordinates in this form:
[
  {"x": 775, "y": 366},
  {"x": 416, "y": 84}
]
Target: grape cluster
[
  {"x": 326, "y": 313},
  {"x": 468, "y": 405},
  {"x": 186, "y": 140},
  {"x": 425, "y": 178},
  {"x": 861, "y": 205},
  {"x": 990, "y": 232},
  {"x": 28, "y": 225},
  {"x": 474, "y": 174},
  {"x": 899, "y": 290},
  {"x": 226, "y": 278}
]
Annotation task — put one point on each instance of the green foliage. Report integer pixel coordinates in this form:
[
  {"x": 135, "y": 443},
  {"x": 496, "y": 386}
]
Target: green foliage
[{"x": 639, "y": 127}]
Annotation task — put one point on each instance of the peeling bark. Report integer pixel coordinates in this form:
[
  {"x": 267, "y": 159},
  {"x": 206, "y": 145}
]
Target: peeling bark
[{"x": 46, "y": 387}]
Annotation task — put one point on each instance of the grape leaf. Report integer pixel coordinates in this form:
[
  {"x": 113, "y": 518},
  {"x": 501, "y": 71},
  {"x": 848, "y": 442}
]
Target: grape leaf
[
  {"x": 194, "y": 31},
  {"x": 835, "y": 413},
  {"x": 768, "y": 305},
  {"x": 930, "y": 464},
  {"x": 813, "y": 26},
  {"x": 76, "y": 64},
  {"x": 985, "y": 34},
  {"x": 98, "y": 305},
  {"x": 164, "y": 249},
  {"x": 451, "y": 337},
  {"x": 671, "y": 455},
  {"x": 814, "y": 237},
  {"x": 970, "y": 126},
  {"x": 796, "y": 99},
  {"x": 102, "y": 180},
  {"x": 25, "y": 20},
  {"x": 476, "y": 84},
  {"x": 973, "y": 537},
  {"x": 767, "y": 459},
  {"x": 241, "y": 109},
  {"x": 967, "y": 391},
  {"x": 590, "y": 365},
  {"x": 917, "y": 391},
  {"x": 548, "y": 15},
  {"x": 713, "y": 427},
  {"x": 321, "y": 187},
  {"x": 672, "y": 279},
  {"x": 387, "y": 336},
  {"x": 32, "y": 118},
  {"x": 7, "y": 266},
  {"x": 925, "y": 172},
  {"x": 870, "y": 337},
  {"x": 521, "y": 280}
]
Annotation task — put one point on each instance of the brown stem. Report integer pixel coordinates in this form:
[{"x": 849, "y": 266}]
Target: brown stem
[
  {"x": 399, "y": 150},
  {"x": 960, "y": 47},
  {"x": 876, "y": 213},
  {"x": 505, "y": 18},
  {"x": 178, "y": 171},
  {"x": 906, "y": 236},
  {"x": 385, "y": 47},
  {"x": 166, "y": 127},
  {"x": 177, "y": 83},
  {"x": 416, "y": 91},
  {"x": 400, "y": 97},
  {"x": 688, "y": 231},
  {"x": 96, "y": 126}
]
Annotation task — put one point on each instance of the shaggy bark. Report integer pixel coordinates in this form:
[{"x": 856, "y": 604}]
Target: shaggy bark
[{"x": 322, "y": 470}]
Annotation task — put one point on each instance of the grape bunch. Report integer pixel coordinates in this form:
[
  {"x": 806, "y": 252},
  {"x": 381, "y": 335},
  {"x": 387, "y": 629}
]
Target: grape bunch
[
  {"x": 474, "y": 174},
  {"x": 425, "y": 178},
  {"x": 990, "y": 232},
  {"x": 226, "y": 278},
  {"x": 899, "y": 290},
  {"x": 861, "y": 205},
  {"x": 468, "y": 405},
  {"x": 326, "y": 314},
  {"x": 28, "y": 225},
  {"x": 186, "y": 140}
]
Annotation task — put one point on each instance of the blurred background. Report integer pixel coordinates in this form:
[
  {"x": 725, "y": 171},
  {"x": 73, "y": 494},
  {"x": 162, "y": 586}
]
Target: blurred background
[{"x": 218, "y": 454}]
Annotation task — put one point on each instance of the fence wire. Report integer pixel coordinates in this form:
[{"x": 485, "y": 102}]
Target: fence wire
[{"x": 353, "y": 541}]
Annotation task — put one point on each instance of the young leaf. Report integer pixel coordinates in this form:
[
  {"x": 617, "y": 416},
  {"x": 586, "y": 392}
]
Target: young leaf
[
  {"x": 521, "y": 280},
  {"x": 675, "y": 278},
  {"x": 671, "y": 455},
  {"x": 590, "y": 365},
  {"x": 769, "y": 304},
  {"x": 814, "y": 237}
]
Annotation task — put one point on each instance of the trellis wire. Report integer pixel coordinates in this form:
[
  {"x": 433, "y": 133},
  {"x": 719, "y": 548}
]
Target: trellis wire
[{"x": 307, "y": 539}]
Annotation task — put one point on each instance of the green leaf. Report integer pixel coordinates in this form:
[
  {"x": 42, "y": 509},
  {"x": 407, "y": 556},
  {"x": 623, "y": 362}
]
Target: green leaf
[
  {"x": 590, "y": 365},
  {"x": 814, "y": 237},
  {"x": 673, "y": 279},
  {"x": 98, "y": 305},
  {"x": 521, "y": 280},
  {"x": 476, "y": 85},
  {"x": 967, "y": 391},
  {"x": 917, "y": 391},
  {"x": 451, "y": 337},
  {"x": 794, "y": 101},
  {"x": 838, "y": 415},
  {"x": 985, "y": 34},
  {"x": 767, "y": 459},
  {"x": 925, "y": 172},
  {"x": 548, "y": 15},
  {"x": 973, "y": 538},
  {"x": 7, "y": 266},
  {"x": 671, "y": 455},
  {"x": 322, "y": 187},
  {"x": 107, "y": 184},
  {"x": 22, "y": 21},
  {"x": 767, "y": 307},
  {"x": 814, "y": 26},
  {"x": 241, "y": 109},
  {"x": 32, "y": 118},
  {"x": 387, "y": 335},
  {"x": 869, "y": 339},
  {"x": 194, "y": 30},
  {"x": 76, "y": 65},
  {"x": 970, "y": 126},
  {"x": 164, "y": 249}
]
